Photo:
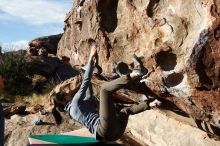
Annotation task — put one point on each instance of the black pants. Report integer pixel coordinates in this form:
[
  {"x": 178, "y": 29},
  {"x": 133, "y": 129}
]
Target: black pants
[{"x": 112, "y": 124}]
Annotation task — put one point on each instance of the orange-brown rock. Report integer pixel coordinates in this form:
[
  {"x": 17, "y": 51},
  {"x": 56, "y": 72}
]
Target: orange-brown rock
[
  {"x": 178, "y": 42},
  {"x": 68, "y": 86},
  {"x": 34, "y": 109}
]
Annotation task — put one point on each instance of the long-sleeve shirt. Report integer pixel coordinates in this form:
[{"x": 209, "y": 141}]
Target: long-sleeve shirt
[{"x": 80, "y": 107}]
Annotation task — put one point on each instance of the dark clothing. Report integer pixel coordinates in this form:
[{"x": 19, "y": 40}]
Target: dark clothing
[
  {"x": 2, "y": 125},
  {"x": 112, "y": 123},
  {"x": 109, "y": 124}
]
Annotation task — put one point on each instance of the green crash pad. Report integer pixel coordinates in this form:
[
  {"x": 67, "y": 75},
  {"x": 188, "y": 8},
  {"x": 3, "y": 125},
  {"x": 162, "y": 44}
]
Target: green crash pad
[{"x": 65, "y": 139}]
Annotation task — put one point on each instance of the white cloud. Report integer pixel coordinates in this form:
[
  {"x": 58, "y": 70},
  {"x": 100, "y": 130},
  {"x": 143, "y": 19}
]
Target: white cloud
[
  {"x": 14, "y": 46},
  {"x": 36, "y": 12}
]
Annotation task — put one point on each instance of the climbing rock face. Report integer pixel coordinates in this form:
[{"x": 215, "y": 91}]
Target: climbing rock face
[{"x": 178, "y": 42}]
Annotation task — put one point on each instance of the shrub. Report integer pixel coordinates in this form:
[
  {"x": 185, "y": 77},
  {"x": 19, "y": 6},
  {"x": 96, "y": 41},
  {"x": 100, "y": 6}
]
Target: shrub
[{"x": 15, "y": 71}]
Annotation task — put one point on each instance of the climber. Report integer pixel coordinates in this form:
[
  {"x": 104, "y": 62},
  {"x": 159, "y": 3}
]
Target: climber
[
  {"x": 108, "y": 124},
  {"x": 2, "y": 121}
]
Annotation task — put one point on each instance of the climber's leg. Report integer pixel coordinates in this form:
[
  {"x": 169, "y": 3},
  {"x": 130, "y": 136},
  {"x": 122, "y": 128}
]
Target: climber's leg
[{"x": 109, "y": 123}]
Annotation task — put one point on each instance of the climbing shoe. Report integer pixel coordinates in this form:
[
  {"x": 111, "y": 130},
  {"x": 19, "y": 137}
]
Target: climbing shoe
[
  {"x": 138, "y": 66},
  {"x": 122, "y": 69}
]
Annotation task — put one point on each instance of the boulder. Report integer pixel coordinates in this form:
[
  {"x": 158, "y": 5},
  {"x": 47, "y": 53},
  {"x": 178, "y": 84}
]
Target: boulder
[
  {"x": 51, "y": 68},
  {"x": 67, "y": 86},
  {"x": 34, "y": 109},
  {"x": 44, "y": 45},
  {"x": 14, "y": 109},
  {"x": 163, "y": 128},
  {"x": 178, "y": 42}
]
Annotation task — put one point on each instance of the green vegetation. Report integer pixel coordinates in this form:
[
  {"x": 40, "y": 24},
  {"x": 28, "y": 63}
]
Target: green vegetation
[
  {"x": 17, "y": 74},
  {"x": 20, "y": 85},
  {"x": 32, "y": 99},
  {"x": 15, "y": 71}
]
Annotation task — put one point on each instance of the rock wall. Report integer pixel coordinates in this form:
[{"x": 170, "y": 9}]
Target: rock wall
[{"x": 178, "y": 42}]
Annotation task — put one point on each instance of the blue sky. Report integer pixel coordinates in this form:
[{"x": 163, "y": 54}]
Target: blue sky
[{"x": 24, "y": 20}]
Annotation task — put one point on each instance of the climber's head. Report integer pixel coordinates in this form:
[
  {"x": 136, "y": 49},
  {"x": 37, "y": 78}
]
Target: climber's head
[
  {"x": 62, "y": 94},
  {"x": 59, "y": 101},
  {"x": 62, "y": 98}
]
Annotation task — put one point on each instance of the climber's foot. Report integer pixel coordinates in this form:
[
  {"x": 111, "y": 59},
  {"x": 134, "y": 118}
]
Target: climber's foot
[
  {"x": 138, "y": 69},
  {"x": 155, "y": 103}
]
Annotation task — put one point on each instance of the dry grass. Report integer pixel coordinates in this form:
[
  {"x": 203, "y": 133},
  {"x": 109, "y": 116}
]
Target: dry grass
[{"x": 33, "y": 99}]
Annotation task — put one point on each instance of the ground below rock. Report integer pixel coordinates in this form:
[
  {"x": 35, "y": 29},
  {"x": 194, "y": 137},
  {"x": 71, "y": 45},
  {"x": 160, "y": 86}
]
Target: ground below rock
[
  {"x": 17, "y": 128},
  {"x": 161, "y": 128}
]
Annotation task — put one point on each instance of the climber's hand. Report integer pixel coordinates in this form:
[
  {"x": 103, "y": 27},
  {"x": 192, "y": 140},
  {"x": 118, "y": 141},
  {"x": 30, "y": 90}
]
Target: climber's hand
[
  {"x": 93, "y": 52},
  {"x": 155, "y": 103}
]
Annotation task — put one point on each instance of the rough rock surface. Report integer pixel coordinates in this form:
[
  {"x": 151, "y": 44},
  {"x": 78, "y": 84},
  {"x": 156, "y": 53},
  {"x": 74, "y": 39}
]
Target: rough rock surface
[
  {"x": 178, "y": 42},
  {"x": 44, "y": 45},
  {"x": 68, "y": 86},
  {"x": 158, "y": 128},
  {"x": 12, "y": 110},
  {"x": 17, "y": 128},
  {"x": 42, "y": 53}
]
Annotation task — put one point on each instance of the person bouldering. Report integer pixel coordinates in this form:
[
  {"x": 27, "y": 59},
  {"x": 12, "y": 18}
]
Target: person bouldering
[{"x": 108, "y": 124}]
